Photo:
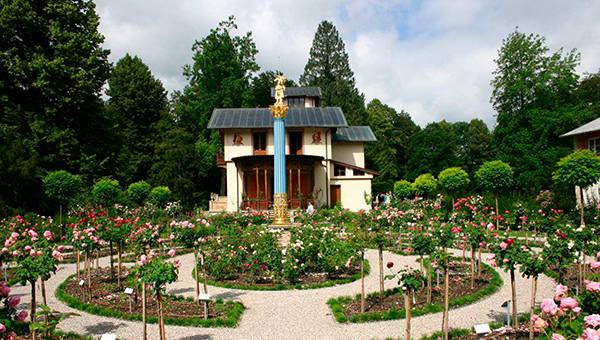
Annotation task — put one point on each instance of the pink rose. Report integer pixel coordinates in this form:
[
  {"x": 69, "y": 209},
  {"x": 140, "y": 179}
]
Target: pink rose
[
  {"x": 592, "y": 321},
  {"x": 32, "y": 253},
  {"x": 591, "y": 334},
  {"x": 27, "y": 248},
  {"x": 595, "y": 265},
  {"x": 57, "y": 255},
  {"x": 503, "y": 245},
  {"x": 22, "y": 316},
  {"x": 2, "y": 328},
  {"x": 32, "y": 233},
  {"x": 14, "y": 235},
  {"x": 557, "y": 336},
  {"x": 143, "y": 260},
  {"x": 577, "y": 310},
  {"x": 4, "y": 290},
  {"x": 560, "y": 291},
  {"x": 61, "y": 248},
  {"x": 493, "y": 263},
  {"x": 593, "y": 287},
  {"x": 568, "y": 303},
  {"x": 491, "y": 257},
  {"x": 13, "y": 301},
  {"x": 48, "y": 235},
  {"x": 538, "y": 323},
  {"x": 171, "y": 253},
  {"x": 549, "y": 307}
]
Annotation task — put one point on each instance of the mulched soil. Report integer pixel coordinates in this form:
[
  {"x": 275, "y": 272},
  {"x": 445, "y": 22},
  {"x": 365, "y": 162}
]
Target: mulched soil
[
  {"x": 106, "y": 293},
  {"x": 460, "y": 285},
  {"x": 245, "y": 279}
]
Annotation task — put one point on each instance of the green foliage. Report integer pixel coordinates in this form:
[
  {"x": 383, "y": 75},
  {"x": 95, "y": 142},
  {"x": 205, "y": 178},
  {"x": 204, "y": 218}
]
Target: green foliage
[
  {"x": 159, "y": 196},
  {"x": 138, "y": 192},
  {"x": 432, "y": 149},
  {"x": 453, "y": 180},
  {"x": 157, "y": 272},
  {"x": 107, "y": 192},
  {"x": 403, "y": 189},
  {"x": 51, "y": 319},
  {"x": 136, "y": 101},
  {"x": 260, "y": 88},
  {"x": 580, "y": 168},
  {"x": 61, "y": 186},
  {"x": 425, "y": 185},
  {"x": 52, "y": 70},
  {"x": 495, "y": 176},
  {"x": 328, "y": 68},
  {"x": 394, "y": 131}
]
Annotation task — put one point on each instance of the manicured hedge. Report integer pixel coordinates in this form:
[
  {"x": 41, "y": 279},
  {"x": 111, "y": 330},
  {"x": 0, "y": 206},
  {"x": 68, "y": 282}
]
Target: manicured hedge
[
  {"x": 230, "y": 320},
  {"x": 337, "y": 304}
]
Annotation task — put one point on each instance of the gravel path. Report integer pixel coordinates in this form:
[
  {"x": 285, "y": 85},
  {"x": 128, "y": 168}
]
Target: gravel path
[{"x": 297, "y": 314}]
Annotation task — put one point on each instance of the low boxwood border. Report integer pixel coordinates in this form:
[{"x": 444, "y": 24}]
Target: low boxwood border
[
  {"x": 284, "y": 286},
  {"x": 337, "y": 304},
  {"x": 231, "y": 318}
]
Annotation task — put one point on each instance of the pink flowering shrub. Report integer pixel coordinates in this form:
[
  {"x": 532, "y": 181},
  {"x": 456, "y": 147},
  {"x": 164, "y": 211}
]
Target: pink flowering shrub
[{"x": 12, "y": 321}]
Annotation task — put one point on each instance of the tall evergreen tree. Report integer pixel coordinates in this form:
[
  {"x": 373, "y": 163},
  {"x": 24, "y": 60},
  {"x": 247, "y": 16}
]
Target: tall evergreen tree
[
  {"x": 136, "y": 102},
  {"x": 52, "y": 70},
  {"x": 328, "y": 68},
  {"x": 394, "y": 131}
]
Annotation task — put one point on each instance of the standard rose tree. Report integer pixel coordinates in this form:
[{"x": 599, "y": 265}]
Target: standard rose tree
[{"x": 495, "y": 177}]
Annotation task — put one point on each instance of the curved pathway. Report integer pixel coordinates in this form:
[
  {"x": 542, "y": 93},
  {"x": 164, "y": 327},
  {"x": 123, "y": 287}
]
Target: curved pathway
[{"x": 292, "y": 314}]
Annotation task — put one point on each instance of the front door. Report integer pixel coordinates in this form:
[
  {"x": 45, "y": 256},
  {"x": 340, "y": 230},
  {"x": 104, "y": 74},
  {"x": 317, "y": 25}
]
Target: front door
[{"x": 336, "y": 194}]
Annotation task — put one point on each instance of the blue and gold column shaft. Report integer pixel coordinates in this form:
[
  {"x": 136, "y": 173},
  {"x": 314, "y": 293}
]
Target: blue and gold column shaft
[{"x": 279, "y": 111}]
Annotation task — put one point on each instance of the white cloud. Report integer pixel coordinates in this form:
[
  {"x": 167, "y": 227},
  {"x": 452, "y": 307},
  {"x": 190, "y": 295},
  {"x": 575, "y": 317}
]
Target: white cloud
[{"x": 433, "y": 58}]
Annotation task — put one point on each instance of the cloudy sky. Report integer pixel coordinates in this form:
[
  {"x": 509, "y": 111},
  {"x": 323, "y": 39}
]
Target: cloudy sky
[{"x": 433, "y": 59}]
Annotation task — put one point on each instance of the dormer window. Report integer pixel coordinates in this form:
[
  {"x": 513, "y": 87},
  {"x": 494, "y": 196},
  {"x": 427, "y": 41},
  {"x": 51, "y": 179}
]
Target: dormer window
[{"x": 295, "y": 101}]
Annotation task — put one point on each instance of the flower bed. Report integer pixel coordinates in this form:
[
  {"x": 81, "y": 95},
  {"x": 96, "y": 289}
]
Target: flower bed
[
  {"x": 109, "y": 300},
  {"x": 347, "y": 309},
  {"x": 252, "y": 258}
]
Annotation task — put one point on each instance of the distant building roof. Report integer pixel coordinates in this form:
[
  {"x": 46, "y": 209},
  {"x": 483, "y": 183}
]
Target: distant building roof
[
  {"x": 592, "y": 126},
  {"x": 262, "y": 118},
  {"x": 305, "y": 91},
  {"x": 354, "y": 134}
]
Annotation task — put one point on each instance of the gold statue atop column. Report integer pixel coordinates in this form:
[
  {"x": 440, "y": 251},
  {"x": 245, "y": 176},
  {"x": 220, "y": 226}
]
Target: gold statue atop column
[{"x": 279, "y": 109}]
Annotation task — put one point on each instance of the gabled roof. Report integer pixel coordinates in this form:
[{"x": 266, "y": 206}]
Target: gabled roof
[
  {"x": 592, "y": 126},
  {"x": 304, "y": 91},
  {"x": 354, "y": 134},
  {"x": 262, "y": 118}
]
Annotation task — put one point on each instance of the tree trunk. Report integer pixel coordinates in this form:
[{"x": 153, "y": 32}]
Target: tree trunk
[
  {"x": 196, "y": 275},
  {"x": 479, "y": 263},
  {"x": 532, "y": 308},
  {"x": 429, "y": 283},
  {"x": 381, "y": 283},
  {"x": 33, "y": 303},
  {"x": 581, "y": 207},
  {"x": 362, "y": 282},
  {"x": 119, "y": 264},
  {"x": 60, "y": 217},
  {"x": 145, "y": 333},
  {"x": 161, "y": 320},
  {"x": 453, "y": 203},
  {"x": 445, "y": 315},
  {"x": 112, "y": 272},
  {"x": 97, "y": 259},
  {"x": 407, "y": 308},
  {"x": 497, "y": 211},
  {"x": 514, "y": 298},
  {"x": 88, "y": 262},
  {"x": 472, "y": 267},
  {"x": 78, "y": 264},
  {"x": 204, "y": 275}
]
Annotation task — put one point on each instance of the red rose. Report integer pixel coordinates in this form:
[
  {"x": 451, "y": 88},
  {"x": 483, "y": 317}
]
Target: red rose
[{"x": 390, "y": 264}]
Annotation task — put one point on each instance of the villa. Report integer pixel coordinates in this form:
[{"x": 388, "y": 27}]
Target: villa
[{"x": 325, "y": 159}]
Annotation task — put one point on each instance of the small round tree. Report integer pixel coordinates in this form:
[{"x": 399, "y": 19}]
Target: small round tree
[
  {"x": 159, "y": 196},
  {"x": 138, "y": 192},
  {"x": 107, "y": 192},
  {"x": 453, "y": 181},
  {"x": 581, "y": 169},
  {"x": 425, "y": 185},
  {"x": 495, "y": 177},
  {"x": 61, "y": 186},
  {"x": 403, "y": 189}
]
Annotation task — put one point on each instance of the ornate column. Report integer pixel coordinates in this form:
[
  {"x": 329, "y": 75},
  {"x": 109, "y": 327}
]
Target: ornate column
[{"x": 279, "y": 111}]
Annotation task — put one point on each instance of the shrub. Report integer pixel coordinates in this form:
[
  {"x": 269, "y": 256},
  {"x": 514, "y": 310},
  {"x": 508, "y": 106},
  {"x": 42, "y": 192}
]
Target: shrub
[
  {"x": 453, "y": 180},
  {"x": 425, "y": 185},
  {"x": 159, "y": 196},
  {"x": 61, "y": 186},
  {"x": 107, "y": 192},
  {"x": 138, "y": 192},
  {"x": 495, "y": 176},
  {"x": 403, "y": 189}
]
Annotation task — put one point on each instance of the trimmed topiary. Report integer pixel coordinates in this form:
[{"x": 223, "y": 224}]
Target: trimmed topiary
[{"x": 138, "y": 192}]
